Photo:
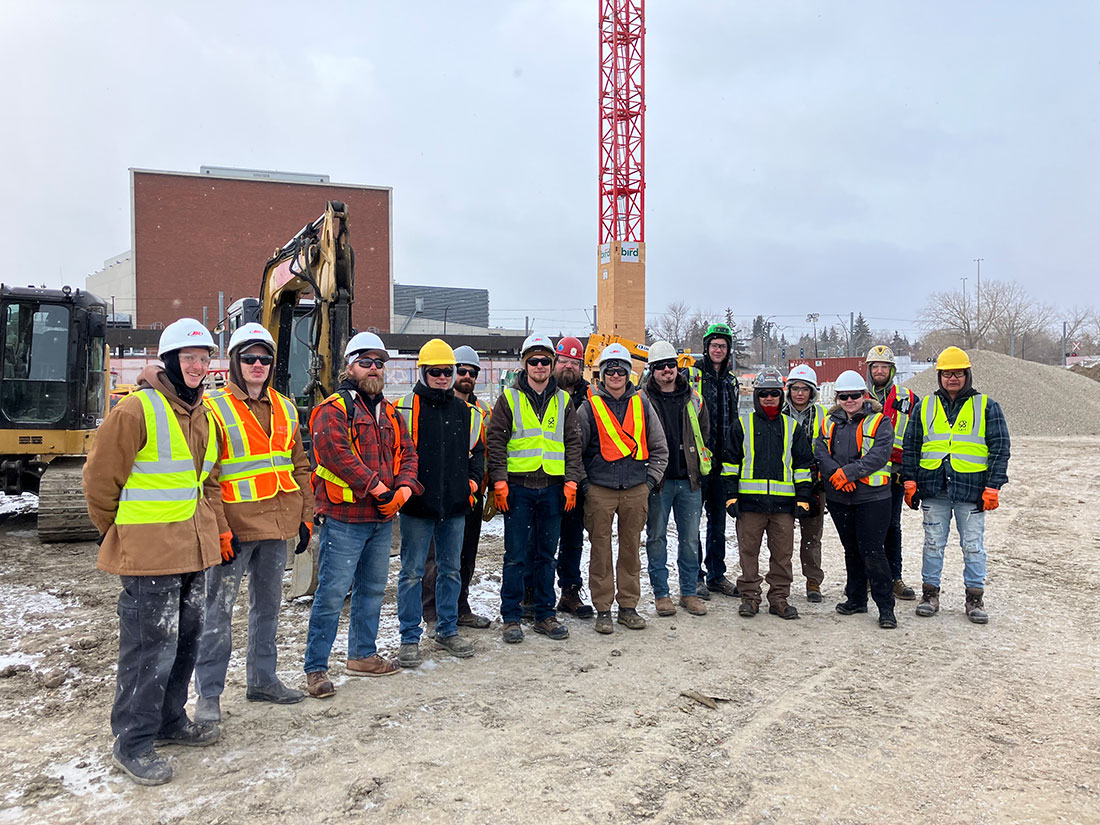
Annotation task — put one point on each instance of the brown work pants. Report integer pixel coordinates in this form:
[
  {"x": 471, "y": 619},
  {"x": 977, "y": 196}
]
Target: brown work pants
[
  {"x": 601, "y": 504},
  {"x": 750, "y": 534},
  {"x": 809, "y": 550}
]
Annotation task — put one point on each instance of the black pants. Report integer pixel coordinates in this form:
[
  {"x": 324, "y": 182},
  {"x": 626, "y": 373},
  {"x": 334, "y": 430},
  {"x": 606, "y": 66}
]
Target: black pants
[
  {"x": 893, "y": 532},
  {"x": 712, "y": 552},
  {"x": 470, "y": 538},
  {"x": 862, "y": 529},
  {"x": 160, "y": 622}
]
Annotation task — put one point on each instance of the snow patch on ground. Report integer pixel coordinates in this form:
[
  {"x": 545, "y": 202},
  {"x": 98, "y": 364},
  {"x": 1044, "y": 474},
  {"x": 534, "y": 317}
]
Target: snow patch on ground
[
  {"x": 17, "y": 505},
  {"x": 32, "y": 610}
]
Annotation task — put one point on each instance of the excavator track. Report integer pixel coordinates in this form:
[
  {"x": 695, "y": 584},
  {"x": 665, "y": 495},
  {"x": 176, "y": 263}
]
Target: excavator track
[{"x": 62, "y": 511}]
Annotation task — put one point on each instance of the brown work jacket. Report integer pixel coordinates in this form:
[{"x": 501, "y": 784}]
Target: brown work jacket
[{"x": 150, "y": 549}]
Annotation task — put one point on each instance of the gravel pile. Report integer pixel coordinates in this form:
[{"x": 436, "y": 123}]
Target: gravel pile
[
  {"x": 1091, "y": 371},
  {"x": 1036, "y": 399}
]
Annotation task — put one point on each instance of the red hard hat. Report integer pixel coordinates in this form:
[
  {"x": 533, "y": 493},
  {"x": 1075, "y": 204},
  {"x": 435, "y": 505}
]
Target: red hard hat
[{"x": 570, "y": 347}]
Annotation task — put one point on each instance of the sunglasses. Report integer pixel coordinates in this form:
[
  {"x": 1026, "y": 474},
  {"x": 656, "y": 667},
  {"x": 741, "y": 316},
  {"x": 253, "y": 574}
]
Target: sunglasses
[
  {"x": 540, "y": 362},
  {"x": 436, "y": 372},
  {"x": 769, "y": 393},
  {"x": 664, "y": 365},
  {"x": 367, "y": 363},
  {"x": 468, "y": 371},
  {"x": 615, "y": 371},
  {"x": 252, "y": 358},
  {"x": 849, "y": 396}
]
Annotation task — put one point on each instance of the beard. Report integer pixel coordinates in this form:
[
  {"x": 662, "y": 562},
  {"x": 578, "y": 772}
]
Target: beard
[
  {"x": 465, "y": 385},
  {"x": 371, "y": 384},
  {"x": 567, "y": 379}
]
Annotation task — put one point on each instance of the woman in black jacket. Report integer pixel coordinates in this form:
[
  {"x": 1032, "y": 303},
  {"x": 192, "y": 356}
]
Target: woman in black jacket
[{"x": 852, "y": 448}]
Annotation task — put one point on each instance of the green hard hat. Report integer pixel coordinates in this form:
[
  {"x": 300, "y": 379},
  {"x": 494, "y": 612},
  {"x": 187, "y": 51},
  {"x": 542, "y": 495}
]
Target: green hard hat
[{"x": 718, "y": 330}]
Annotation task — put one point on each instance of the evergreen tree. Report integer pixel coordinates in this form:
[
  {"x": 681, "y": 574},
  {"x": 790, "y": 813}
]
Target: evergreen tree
[{"x": 862, "y": 340}]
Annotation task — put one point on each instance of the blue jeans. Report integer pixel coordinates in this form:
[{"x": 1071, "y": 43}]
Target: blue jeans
[
  {"x": 354, "y": 556},
  {"x": 937, "y": 514},
  {"x": 675, "y": 496},
  {"x": 416, "y": 539},
  {"x": 536, "y": 511},
  {"x": 714, "y": 499}
]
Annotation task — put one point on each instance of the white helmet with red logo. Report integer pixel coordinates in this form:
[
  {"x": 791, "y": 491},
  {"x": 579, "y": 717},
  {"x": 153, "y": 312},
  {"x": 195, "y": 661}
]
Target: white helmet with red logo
[
  {"x": 184, "y": 333},
  {"x": 535, "y": 342},
  {"x": 251, "y": 334}
]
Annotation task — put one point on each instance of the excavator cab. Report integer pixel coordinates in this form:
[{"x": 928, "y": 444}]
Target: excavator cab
[{"x": 53, "y": 395}]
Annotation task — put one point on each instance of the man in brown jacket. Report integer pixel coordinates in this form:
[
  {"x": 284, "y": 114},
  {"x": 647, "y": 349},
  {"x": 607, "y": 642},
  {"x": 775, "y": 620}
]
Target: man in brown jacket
[
  {"x": 152, "y": 495},
  {"x": 264, "y": 472}
]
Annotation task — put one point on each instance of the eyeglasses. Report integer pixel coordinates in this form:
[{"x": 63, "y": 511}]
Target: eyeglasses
[
  {"x": 468, "y": 371},
  {"x": 954, "y": 373},
  {"x": 188, "y": 358},
  {"x": 436, "y": 372},
  {"x": 252, "y": 358},
  {"x": 539, "y": 362},
  {"x": 769, "y": 393},
  {"x": 718, "y": 345},
  {"x": 664, "y": 365},
  {"x": 615, "y": 371},
  {"x": 799, "y": 388},
  {"x": 367, "y": 363},
  {"x": 849, "y": 396}
]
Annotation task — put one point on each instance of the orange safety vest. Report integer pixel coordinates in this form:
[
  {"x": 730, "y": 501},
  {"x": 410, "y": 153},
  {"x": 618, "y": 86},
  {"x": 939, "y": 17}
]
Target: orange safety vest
[
  {"x": 868, "y": 427},
  {"x": 338, "y": 490},
  {"x": 254, "y": 465},
  {"x": 626, "y": 440}
]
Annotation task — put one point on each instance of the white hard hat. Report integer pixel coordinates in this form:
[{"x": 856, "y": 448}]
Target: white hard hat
[
  {"x": 365, "y": 342},
  {"x": 614, "y": 352},
  {"x": 804, "y": 373},
  {"x": 467, "y": 355},
  {"x": 186, "y": 332},
  {"x": 251, "y": 334},
  {"x": 534, "y": 341},
  {"x": 850, "y": 381},
  {"x": 662, "y": 351}
]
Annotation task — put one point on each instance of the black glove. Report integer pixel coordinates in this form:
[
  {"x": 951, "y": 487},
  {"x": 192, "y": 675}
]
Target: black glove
[
  {"x": 731, "y": 508},
  {"x": 815, "y": 507},
  {"x": 304, "y": 535},
  {"x": 385, "y": 498},
  {"x": 650, "y": 483},
  {"x": 235, "y": 543},
  {"x": 99, "y": 541}
]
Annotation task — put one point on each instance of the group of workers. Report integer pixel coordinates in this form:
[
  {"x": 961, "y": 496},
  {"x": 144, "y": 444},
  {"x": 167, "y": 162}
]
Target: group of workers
[{"x": 190, "y": 490}]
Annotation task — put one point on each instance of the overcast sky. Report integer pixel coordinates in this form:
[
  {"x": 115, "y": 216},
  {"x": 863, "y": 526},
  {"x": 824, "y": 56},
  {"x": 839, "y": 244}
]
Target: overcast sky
[{"x": 801, "y": 156}]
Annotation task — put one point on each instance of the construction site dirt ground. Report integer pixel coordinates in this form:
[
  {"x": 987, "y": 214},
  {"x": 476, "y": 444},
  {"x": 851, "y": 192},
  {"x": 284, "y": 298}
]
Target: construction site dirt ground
[{"x": 826, "y": 719}]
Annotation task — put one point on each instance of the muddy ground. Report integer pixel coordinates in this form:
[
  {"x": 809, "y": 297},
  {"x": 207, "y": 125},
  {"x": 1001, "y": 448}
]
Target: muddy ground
[{"x": 828, "y": 719}]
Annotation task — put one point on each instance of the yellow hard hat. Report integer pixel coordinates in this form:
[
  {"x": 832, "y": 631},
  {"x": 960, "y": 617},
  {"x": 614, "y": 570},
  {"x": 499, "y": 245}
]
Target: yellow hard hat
[
  {"x": 436, "y": 352},
  {"x": 953, "y": 358}
]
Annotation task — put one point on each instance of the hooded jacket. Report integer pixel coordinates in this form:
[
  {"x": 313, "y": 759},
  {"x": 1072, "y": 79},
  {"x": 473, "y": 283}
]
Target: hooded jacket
[
  {"x": 672, "y": 409},
  {"x": 151, "y": 549},
  {"x": 623, "y": 473},
  {"x": 768, "y": 443},
  {"x": 846, "y": 454},
  {"x": 718, "y": 386}
]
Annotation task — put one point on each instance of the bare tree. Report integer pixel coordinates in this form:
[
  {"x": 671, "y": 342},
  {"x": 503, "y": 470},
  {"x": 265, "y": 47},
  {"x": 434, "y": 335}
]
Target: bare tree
[
  {"x": 1019, "y": 315},
  {"x": 674, "y": 324}
]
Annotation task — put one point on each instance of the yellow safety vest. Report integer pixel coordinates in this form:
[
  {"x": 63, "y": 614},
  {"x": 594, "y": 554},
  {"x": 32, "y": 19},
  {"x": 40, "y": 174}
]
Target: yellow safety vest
[
  {"x": 963, "y": 441},
  {"x": 537, "y": 444},
  {"x": 163, "y": 486},
  {"x": 254, "y": 465},
  {"x": 865, "y": 440},
  {"x": 749, "y": 484}
]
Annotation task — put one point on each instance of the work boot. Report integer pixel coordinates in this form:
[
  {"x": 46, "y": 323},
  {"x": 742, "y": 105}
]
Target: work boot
[
  {"x": 571, "y": 601},
  {"x": 929, "y": 601},
  {"x": 208, "y": 710},
  {"x": 192, "y": 734},
  {"x": 783, "y": 610},
  {"x": 277, "y": 693},
  {"x": 748, "y": 608},
  {"x": 628, "y": 617},
  {"x": 813, "y": 592},
  {"x": 903, "y": 591},
  {"x": 975, "y": 609},
  {"x": 455, "y": 645},
  {"x": 693, "y": 605},
  {"x": 512, "y": 633},
  {"x": 550, "y": 626},
  {"x": 665, "y": 607},
  {"x": 850, "y": 608},
  {"x": 527, "y": 606},
  {"x": 318, "y": 685},
  {"x": 887, "y": 620},
  {"x": 723, "y": 586},
  {"x": 702, "y": 591},
  {"x": 471, "y": 619},
  {"x": 408, "y": 655},
  {"x": 372, "y": 666},
  {"x": 145, "y": 768},
  {"x": 603, "y": 622}
]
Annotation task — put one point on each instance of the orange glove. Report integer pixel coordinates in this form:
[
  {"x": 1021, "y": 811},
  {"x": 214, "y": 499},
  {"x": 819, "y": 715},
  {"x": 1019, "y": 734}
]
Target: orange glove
[
  {"x": 910, "y": 491},
  {"x": 570, "y": 495},
  {"x": 850, "y": 487},
  {"x": 226, "y": 540},
  {"x": 839, "y": 480},
  {"x": 400, "y": 496},
  {"x": 500, "y": 493},
  {"x": 989, "y": 499},
  {"x": 473, "y": 492}
]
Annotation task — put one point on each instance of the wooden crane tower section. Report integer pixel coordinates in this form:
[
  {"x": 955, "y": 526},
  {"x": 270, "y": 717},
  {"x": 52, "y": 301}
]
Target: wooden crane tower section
[{"x": 620, "y": 291}]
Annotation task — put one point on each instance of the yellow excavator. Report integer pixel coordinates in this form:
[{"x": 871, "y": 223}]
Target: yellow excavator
[
  {"x": 53, "y": 396},
  {"x": 597, "y": 342}
]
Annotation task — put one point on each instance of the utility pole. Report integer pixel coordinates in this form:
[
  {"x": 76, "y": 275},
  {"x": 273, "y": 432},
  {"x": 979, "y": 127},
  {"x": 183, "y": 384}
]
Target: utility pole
[
  {"x": 221, "y": 315},
  {"x": 851, "y": 334},
  {"x": 1065, "y": 359},
  {"x": 978, "y": 261},
  {"x": 813, "y": 318},
  {"x": 965, "y": 315}
]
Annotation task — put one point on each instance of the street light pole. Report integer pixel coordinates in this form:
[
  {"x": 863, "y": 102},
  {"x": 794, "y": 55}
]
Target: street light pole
[
  {"x": 813, "y": 318},
  {"x": 978, "y": 261}
]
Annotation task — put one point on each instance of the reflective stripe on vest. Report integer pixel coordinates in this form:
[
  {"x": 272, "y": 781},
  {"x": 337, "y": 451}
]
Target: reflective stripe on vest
[
  {"x": 409, "y": 404},
  {"x": 338, "y": 490},
  {"x": 964, "y": 440},
  {"x": 749, "y": 484},
  {"x": 705, "y": 458},
  {"x": 901, "y": 421},
  {"x": 536, "y": 444},
  {"x": 865, "y": 440},
  {"x": 621, "y": 440},
  {"x": 254, "y": 465},
  {"x": 163, "y": 485}
]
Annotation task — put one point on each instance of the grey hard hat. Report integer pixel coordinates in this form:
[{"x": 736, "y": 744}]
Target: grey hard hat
[{"x": 467, "y": 355}]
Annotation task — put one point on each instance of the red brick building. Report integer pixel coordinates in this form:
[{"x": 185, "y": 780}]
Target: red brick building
[{"x": 197, "y": 234}]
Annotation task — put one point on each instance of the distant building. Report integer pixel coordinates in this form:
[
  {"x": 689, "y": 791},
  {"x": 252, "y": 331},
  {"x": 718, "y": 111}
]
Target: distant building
[
  {"x": 441, "y": 310},
  {"x": 115, "y": 284}
]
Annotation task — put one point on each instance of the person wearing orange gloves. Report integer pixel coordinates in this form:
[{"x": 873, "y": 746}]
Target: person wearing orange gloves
[
  {"x": 152, "y": 492},
  {"x": 534, "y": 468},
  {"x": 954, "y": 464}
]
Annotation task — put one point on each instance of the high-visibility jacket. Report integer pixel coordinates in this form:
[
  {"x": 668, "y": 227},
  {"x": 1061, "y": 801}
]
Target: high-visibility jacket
[
  {"x": 338, "y": 490},
  {"x": 898, "y": 407},
  {"x": 409, "y": 404},
  {"x": 163, "y": 485},
  {"x": 749, "y": 484},
  {"x": 694, "y": 405},
  {"x": 254, "y": 465},
  {"x": 963, "y": 441},
  {"x": 621, "y": 440},
  {"x": 536, "y": 444},
  {"x": 865, "y": 440}
]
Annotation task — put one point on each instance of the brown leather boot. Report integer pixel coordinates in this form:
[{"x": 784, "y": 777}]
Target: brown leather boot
[
  {"x": 929, "y": 601},
  {"x": 975, "y": 609}
]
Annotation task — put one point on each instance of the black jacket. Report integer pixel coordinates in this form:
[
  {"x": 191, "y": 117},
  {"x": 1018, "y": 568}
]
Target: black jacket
[
  {"x": 768, "y": 444},
  {"x": 447, "y": 465},
  {"x": 719, "y": 390},
  {"x": 846, "y": 454}
]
